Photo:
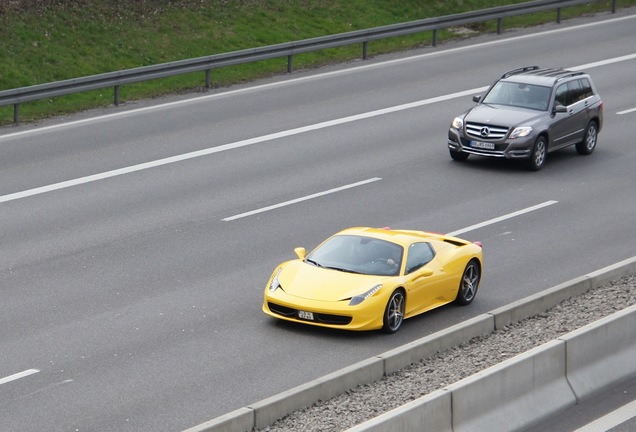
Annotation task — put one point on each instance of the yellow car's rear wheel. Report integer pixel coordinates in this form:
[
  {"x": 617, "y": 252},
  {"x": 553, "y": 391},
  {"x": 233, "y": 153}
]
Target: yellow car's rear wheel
[
  {"x": 394, "y": 312},
  {"x": 469, "y": 283}
]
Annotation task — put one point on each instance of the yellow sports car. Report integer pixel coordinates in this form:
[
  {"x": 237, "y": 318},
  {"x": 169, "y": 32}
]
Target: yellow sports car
[{"x": 373, "y": 278}]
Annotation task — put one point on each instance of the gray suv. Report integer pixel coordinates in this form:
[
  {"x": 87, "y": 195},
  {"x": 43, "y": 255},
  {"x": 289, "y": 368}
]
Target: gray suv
[{"x": 528, "y": 113}]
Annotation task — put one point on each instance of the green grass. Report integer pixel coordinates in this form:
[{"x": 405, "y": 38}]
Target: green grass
[{"x": 50, "y": 40}]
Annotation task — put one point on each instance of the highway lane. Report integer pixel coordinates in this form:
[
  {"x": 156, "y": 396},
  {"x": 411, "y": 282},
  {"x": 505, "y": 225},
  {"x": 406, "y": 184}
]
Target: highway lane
[{"x": 139, "y": 304}]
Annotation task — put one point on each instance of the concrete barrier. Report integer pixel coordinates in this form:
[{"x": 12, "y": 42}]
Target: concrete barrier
[
  {"x": 602, "y": 353},
  {"x": 267, "y": 411},
  {"x": 430, "y": 413},
  {"x": 513, "y": 394}
]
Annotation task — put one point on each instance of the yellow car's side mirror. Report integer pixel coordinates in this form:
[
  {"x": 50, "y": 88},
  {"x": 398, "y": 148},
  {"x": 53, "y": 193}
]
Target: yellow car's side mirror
[{"x": 300, "y": 252}]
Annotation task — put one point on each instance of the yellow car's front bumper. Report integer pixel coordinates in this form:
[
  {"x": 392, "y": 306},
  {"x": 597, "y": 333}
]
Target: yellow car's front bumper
[{"x": 367, "y": 315}]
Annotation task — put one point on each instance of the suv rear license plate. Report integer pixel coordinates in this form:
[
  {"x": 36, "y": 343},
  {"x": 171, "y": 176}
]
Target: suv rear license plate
[
  {"x": 482, "y": 145},
  {"x": 306, "y": 315}
]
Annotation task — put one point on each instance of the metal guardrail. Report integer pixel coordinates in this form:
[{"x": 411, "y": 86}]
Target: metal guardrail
[{"x": 116, "y": 79}]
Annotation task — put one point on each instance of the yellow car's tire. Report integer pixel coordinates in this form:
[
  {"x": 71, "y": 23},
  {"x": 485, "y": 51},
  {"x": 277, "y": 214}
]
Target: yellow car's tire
[
  {"x": 469, "y": 283},
  {"x": 394, "y": 312}
]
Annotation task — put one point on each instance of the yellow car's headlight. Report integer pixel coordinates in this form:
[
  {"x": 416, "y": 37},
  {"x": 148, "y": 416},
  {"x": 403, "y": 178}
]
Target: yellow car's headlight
[
  {"x": 274, "y": 284},
  {"x": 362, "y": 297}
]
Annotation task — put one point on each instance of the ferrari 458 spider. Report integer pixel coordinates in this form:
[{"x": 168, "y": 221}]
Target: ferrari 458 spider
[{"x": 373, "y": 278}]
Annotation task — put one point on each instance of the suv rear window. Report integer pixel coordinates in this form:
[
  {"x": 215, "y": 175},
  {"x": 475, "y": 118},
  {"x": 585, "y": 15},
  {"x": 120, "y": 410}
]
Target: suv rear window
[{"x": 573, "y": 92}]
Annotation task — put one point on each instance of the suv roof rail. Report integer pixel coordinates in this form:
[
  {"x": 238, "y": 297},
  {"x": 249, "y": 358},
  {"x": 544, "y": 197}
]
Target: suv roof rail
[
  {"x": 568, "y": 74},
  {"x": 519, "y": 70},
  {"x": 557, "y": 74}
]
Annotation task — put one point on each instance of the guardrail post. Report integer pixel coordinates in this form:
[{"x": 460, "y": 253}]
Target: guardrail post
[
  {"x": 290, "y": 63},
  {"x": 435, "y": 37},
  {"x": 116, "y": 95},
  {"x": 365, "y": 47},
  {"x": 499, "y": 25},
  {"x": 208, "y": 80},
  {"x": 558, "y": 15},
  {"x": 613, "y": 6},
  {"x": 16, "y": 113}
]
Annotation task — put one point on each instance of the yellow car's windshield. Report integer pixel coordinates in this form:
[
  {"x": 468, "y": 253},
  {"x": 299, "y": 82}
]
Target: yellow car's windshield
[{"x": 358, "y": 254}]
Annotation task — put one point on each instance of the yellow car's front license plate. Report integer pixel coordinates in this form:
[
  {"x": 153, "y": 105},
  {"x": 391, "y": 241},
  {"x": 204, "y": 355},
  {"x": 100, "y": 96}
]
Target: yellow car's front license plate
[{"x": 306, "y": 315}]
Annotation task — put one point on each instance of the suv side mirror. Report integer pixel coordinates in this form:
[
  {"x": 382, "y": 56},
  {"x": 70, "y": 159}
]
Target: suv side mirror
[
  {"x": 476, "y": 98},
  {"x": 560, "y": 109}
]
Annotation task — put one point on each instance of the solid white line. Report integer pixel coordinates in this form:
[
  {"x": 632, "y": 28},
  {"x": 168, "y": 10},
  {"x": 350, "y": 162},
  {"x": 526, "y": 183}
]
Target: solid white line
[
  {"x": 305, "y": 198},
  {"x": 603, "y": 62},
  {"x": 501, "y": 218},
  {"x": 231, "y": 146},
  {"x": 611, "y": 420},
  {"x": 626, "y": 111},
  {"x": 19, "y": 375}
]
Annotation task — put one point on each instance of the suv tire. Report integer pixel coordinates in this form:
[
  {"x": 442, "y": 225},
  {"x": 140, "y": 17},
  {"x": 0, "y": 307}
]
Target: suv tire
[
  {"x": 458, "y": 156},
  {"x": 588, "y": 144},
  {"x": 539, "y": 154}
]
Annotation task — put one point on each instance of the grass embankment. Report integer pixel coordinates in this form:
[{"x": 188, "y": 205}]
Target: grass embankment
[{"x": 51, "y": 40}]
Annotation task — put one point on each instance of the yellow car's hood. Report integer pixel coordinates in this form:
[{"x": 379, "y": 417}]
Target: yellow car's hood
[{"x": 310, "y": 282}]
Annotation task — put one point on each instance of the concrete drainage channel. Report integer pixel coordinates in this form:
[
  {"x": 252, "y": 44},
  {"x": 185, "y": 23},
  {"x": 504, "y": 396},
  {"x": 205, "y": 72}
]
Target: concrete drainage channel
[{"x": 528, "y": 387}]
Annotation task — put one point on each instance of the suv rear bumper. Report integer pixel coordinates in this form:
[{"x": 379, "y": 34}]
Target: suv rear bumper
[{"x": 518, "y": 149}]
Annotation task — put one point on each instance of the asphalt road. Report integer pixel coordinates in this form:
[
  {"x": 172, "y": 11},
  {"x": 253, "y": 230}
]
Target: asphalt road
[{"x": 135, "y": 243}]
